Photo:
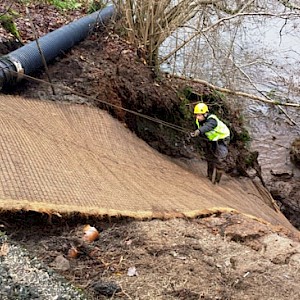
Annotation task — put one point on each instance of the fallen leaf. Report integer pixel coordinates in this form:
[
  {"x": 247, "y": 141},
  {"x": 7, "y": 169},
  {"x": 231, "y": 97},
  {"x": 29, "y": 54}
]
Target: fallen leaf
[
  {"x": 132, "y": 272},
  {"x": 4, "y": 249}
]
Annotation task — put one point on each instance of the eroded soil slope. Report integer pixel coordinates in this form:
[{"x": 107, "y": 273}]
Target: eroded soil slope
[{"x": 106, "y": 71}]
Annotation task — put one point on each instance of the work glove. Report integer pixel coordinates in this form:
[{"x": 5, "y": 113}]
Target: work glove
[{"x": 195, "y": 133}]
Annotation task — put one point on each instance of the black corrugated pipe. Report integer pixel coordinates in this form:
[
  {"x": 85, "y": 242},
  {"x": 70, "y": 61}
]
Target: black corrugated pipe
[{"x": 27, "y": 59}]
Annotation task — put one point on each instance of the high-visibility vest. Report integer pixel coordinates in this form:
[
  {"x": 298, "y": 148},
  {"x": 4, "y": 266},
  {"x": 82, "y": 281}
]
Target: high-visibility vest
[{"x": 220, "y": 132}]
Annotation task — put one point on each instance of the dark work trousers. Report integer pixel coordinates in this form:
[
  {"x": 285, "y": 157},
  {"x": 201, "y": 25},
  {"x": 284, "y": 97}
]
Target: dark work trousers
[{"x": 215, "y": 154}]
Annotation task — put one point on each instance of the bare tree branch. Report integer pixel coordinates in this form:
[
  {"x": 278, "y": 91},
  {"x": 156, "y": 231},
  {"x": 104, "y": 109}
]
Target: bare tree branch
[
  {"x": 222, "y": 20},
  {"x": 279, "y": 106},
  {"x": 289, "y": 5},
  {"x": 239, "y": 93}
]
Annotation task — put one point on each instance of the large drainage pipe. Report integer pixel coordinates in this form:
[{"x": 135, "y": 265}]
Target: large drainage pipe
[{"x": 27, "y": 59}]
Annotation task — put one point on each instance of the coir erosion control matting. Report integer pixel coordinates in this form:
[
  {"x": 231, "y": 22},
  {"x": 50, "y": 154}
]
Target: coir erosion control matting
[{"x": 63, "y": 158}]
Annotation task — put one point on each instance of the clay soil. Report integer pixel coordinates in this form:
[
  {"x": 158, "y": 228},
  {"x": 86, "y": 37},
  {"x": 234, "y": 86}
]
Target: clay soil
[{"x": 224, "y": 256}]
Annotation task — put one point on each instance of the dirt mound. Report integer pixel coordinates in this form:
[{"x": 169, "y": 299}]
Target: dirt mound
[{"x": 224, "y": 256}]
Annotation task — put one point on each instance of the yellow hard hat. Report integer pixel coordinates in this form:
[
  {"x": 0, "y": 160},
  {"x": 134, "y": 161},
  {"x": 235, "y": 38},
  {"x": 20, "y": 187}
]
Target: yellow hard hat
[{"x": 201, "y": 108}]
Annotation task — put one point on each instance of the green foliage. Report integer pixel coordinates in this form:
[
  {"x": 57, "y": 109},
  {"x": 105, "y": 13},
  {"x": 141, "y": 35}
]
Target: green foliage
[
  {"x": 244, "y": 136},
  {"x": 187, "y": 91},
  {"x": 95, "y": 5},
  {"x": 184, "y": 105},
  {"x": 217, "y": 94},
  {"x": 251, "y": 158},
  {"x": 66, "y": 5},
  {"x": 184, "y": 108},
  {"x": 193, "y": 96},
  {"x": 8, "y": 23},
  {"x": 90, "y": 6}
]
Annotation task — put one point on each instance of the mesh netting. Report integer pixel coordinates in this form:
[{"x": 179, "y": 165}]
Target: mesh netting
[{"x": 72, "y": 158}]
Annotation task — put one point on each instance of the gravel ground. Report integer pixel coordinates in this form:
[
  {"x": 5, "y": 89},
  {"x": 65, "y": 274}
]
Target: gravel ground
[{"x": 24, "y": 277}]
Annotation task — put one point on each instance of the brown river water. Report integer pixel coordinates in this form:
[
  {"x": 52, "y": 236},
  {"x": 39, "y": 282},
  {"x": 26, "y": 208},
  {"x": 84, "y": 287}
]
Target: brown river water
[{"x": 272, "y": 133}]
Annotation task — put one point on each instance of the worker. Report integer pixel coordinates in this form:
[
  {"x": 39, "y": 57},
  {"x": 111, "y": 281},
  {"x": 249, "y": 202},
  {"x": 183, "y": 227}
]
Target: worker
[{"x": 217, "y": 136}]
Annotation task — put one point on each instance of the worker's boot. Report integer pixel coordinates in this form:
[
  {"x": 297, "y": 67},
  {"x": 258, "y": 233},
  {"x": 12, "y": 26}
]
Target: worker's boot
[
  {"x": 218, "y": 176},
  {"x": 210, "y": 170}
]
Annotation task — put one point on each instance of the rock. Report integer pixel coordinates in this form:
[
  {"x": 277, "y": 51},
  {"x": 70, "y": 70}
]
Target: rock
[
  {"x": 106, "y": 288},
  {"x": 295, "y": 260},
  {"x": 61, "y": 263},
  {"x": 281, "y": 249},
  {"x": 295, "y": 152},
  {"x": 281, "y": 189},
  {"x": 284, "y": 175}
]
